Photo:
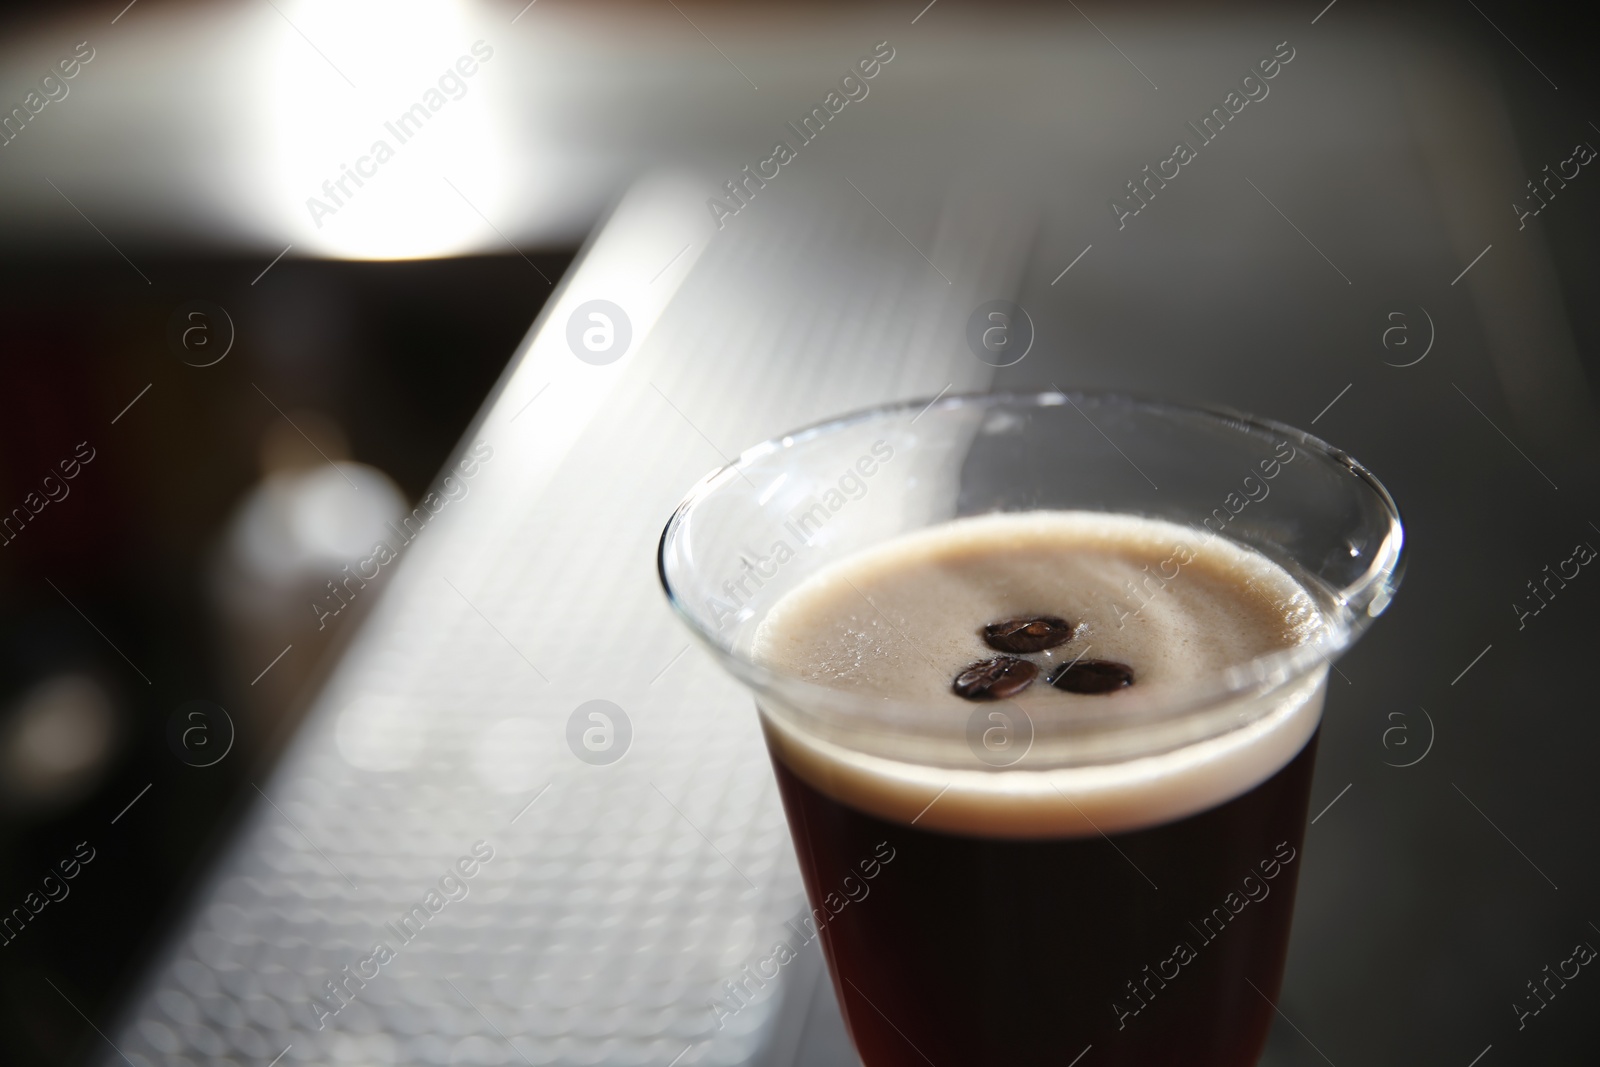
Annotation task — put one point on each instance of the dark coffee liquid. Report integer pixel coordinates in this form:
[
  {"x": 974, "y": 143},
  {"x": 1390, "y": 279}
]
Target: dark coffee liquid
[{"x": 986, "y": 952}]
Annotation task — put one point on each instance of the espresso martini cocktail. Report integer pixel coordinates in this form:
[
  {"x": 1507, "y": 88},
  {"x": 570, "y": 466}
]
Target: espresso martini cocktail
[{"x": 1064, "y": 721}]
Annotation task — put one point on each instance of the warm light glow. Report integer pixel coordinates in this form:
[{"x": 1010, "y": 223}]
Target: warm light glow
[{"x": 381, "y": 188}]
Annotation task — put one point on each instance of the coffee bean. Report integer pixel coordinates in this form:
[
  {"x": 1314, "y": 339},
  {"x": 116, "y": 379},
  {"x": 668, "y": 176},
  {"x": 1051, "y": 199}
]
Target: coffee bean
[
  {"x": 995, "y": 679},
  {"x": 1093, "y": 676},
  {"x": 1035, "y": 633}
]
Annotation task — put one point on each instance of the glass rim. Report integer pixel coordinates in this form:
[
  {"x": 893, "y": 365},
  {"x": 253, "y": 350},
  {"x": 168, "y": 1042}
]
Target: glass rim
[{"x": 1359, "y": 602}]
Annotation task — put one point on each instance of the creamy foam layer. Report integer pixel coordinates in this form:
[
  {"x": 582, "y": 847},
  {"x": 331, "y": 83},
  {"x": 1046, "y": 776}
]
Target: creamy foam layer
[{"x": 902, "y": 618}]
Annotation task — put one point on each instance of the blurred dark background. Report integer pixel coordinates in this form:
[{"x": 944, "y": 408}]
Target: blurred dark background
[
  {"x": 385, "y": 363},
  {"x": 110, "y": 622}
]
